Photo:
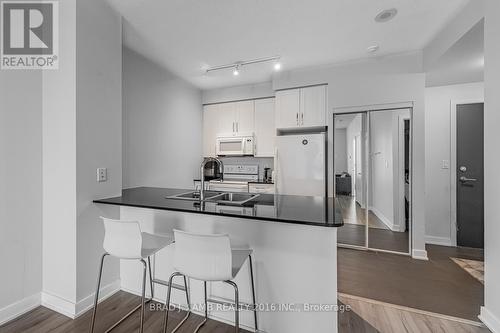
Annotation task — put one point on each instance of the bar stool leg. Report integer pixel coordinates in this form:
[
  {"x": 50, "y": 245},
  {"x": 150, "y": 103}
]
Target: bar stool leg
[
  {"x": 151, "y": 279},
  {"x": 236, "y": 306},
  {"x": 96, "y": 298},
  {"x": 187, "y": 293},
  {"x": 167, "y": 302},
  {"x": 253, "y": 292},
  {"x": 206, "y": 309},
  {"x": 143, "y": 296}
]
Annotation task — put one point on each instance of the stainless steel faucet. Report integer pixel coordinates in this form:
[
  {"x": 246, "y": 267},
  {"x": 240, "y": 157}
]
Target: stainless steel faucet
[{"x": 202, "y": 173}]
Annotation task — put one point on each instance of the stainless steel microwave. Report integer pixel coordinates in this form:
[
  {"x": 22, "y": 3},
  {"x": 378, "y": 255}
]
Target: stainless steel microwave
[{"x": 235, "y": 146}]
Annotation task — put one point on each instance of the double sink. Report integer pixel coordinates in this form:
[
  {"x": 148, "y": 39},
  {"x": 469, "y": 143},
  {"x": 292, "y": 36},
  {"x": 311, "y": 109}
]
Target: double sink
[{"x": 223, "y": 198}]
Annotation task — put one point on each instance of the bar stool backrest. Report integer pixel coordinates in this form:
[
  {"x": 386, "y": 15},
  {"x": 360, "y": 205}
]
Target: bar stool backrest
[
  {"x": 122, "y": 239},
  {"x": 203, "y": 257}
]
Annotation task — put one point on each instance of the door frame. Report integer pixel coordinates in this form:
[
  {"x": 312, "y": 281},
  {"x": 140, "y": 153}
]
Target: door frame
[
  {"x": 367, "y": 109},
  {"x": 453, "y": 163},
  {"x": 400, "y": 199}
]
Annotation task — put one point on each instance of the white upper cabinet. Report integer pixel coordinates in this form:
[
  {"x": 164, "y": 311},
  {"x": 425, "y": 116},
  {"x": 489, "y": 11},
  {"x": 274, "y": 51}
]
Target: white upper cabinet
[
  {"x": 210, "y": 119},
  {"x": 313, "y": 106},
  {"x": 301, "y": 107},
  {"x": 244, "y": 117},
  {"x": 235, "y": 118},
  {"x": 287, "y": 108},
  {"x": 265, "y": 130},
  {"x": 226, "y": 119}
]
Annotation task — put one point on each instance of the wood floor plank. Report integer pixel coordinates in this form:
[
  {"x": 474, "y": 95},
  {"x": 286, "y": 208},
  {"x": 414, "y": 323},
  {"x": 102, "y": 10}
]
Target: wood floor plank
[
  {"x": 382, "y": 318},
  {"x": 438, "y": 285},
  {"x": 43, "y": 320}
]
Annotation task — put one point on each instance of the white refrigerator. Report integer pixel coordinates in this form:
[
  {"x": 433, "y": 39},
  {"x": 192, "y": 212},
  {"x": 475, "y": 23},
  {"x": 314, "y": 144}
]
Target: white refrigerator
[{"x": 301, "y": 164}]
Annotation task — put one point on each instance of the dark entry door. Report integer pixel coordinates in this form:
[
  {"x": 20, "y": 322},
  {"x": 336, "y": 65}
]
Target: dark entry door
[{"x": 470, "y": 175}]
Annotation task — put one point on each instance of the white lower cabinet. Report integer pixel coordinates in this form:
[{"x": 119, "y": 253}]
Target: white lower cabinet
[
  {"x": 228, "y": 187},
  {"x": 261, "y": 188}
]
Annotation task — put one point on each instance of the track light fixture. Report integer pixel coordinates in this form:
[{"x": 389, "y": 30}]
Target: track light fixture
[{"x": 236, "y": 66}]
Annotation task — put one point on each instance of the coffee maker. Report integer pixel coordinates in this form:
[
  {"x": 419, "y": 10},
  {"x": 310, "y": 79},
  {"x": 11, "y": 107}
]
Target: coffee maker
[{"x": 212, "y": 171}]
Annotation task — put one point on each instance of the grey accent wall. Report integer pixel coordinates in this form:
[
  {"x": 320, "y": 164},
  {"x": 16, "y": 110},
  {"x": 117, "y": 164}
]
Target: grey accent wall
[{"x": 162, "y": 126}]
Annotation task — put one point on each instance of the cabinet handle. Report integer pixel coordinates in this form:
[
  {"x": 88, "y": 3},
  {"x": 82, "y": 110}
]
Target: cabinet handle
[
  {"x": 233, "y": 127},
  {"x": 302, "y": 116},
  {"x": 297, "y": 118},
  {"x": 237, "y": 127}
]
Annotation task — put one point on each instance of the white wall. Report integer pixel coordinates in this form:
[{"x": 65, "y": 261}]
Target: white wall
[
  {"x": 81, "y": 131},
  {"x": 353, "y": 129},
  {"x": 490, "y": 314},
  {"x": 438, "y": 149},
  {"x": 98, "y": 138},
  {"x": 382, "y": 166},
  {"x": 340, "y": 158},
  {"x": 386, "y": 180},
  {"x": 393, "y": 79},
  {"x": 59, "y": 165},
  {"x": 236, "y": 93},
  {"x": 20, "y": 191},
  {"x": 162, "y": 126}
]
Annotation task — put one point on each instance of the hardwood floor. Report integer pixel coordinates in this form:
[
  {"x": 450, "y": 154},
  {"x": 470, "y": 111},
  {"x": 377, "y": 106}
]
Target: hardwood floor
[
  {"x": 354, "y": 214},
  {"x": 379, "y": 235},
  {"x": 368, "y": 316},
  {"x": 43, "y": 320},
  {"x": 438, "y": 285},
  {"x": 364, "y": 316}
]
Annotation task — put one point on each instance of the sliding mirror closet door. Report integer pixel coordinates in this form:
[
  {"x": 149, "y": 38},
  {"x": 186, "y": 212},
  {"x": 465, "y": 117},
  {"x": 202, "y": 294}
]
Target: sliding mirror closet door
[
  {"x": 389, "y": 181},
  {"x": 350, "y": 165}
]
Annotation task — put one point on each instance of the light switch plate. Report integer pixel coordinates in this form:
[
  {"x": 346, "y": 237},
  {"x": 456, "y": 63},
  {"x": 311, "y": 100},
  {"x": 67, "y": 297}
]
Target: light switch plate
[
  {"x": 102, "y": 175},
  {"x": 446, "y": 164}
]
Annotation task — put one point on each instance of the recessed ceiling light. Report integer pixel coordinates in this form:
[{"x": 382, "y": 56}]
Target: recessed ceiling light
[
  {"x": 372, "y": 49},
  {"x": 277, "y": 66},
  {"x": 386, "y": 15}
]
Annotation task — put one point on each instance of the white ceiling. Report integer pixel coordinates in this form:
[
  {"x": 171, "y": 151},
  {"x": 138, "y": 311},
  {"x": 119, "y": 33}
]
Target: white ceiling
[
  {"x": 462, "y": 63},
  {"x": 187, "y": 36}
]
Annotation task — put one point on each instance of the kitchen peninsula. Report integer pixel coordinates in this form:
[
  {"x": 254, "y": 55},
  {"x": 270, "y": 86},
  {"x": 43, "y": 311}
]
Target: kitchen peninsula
[{"x": 294, "y": 239}]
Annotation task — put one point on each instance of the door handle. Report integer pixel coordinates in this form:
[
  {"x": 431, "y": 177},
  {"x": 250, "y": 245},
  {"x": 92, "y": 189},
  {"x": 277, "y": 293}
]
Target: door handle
[{"x": 464, "y": 179}]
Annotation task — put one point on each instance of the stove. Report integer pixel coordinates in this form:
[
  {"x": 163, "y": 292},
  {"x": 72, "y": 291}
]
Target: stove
[{"x": 241, "y": 173}]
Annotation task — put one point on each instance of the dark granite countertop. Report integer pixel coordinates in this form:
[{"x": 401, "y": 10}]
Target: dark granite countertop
[{"x": 306, "y": 210}]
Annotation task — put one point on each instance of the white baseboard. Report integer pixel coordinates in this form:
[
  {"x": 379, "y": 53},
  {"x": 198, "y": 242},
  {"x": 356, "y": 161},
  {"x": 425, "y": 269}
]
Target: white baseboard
[
  {"x": 18, "y": 308},
  {"x": 490, "y": 320},
  {"x": 105, "y": 292},
  {"x": 73, "y": 310},
  {"x": 444, "y": 241},
  {"x": 58, "y": 304},
  {"x": 419, "y": 254},
  {"x": 195, "y": 311},
  {"x": 384, "y": 219}
]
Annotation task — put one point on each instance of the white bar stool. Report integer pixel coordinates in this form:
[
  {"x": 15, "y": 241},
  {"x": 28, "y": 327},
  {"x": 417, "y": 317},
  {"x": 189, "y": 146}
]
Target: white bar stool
[
  {"x": 209, "y": 258},
  {"x": 124, "y": 240}
]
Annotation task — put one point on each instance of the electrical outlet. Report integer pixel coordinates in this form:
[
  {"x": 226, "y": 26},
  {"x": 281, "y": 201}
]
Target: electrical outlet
[{"x": 102, "y": 175}]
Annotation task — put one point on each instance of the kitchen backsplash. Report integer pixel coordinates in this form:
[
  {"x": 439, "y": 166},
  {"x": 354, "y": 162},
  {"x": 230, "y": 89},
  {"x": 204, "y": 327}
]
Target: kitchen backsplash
[{"x": 262, "y": 162}]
